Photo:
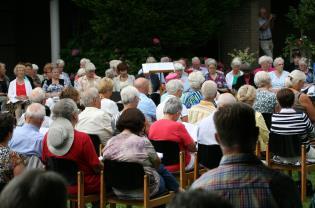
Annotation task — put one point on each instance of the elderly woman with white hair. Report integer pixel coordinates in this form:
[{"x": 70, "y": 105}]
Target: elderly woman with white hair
[
  {"x": 89, "y": 80},
  {"x": 60, "y": 64},
  {"x": 232, "y": 76},
  {"x": 65, "y": 142},
  {"x": 207, "y": 104},
  {"x": 168, "y": 129},
  {"x": 303, "y": 66},
  {"x": 181, "y": 74},
  {"x": 265, "y": 63},
  {"x": 112, "y": 71},
  {"x": 193, "y": 96},
  {"x": 302, "y": 103},
  {"x": 278, "y": 76},
  {"x": 247, "y": 94},
  {"x": 266, "y": 100},
  {"x": 215, "y": 75},
  {"x": 93, "y": 120},
  {"x": 174, "y": 88}
]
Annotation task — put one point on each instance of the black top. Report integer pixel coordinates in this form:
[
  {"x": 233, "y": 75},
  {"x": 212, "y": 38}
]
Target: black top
[
  {"x": 3, "y": 86},
  {"x": 292, "y": 67},
  {"x": 241, "y": 81},
  {"x": 31, "y": 81}
]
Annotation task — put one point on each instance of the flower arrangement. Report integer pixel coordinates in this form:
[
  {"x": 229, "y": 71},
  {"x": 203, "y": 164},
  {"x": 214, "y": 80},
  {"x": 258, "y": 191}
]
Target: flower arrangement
[{"x": 245, "y": 55}]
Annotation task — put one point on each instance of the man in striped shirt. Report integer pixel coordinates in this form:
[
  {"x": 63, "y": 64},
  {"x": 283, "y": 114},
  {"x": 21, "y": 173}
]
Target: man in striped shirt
[
  {"x": 241, "y": 177},
  {"x": 290, "y": 122}
]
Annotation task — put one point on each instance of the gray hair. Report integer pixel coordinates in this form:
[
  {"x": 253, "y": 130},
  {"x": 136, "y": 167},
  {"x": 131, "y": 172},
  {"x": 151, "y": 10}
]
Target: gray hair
[
  {"x": 151, "y": 59},
  {"x": 84, "y": 60},
  {"x": 264, "y": 58},
  {"x": 64, "y": 109},
  {"x": 194, "y": 59},
  {"x": 226, "y": 99},
  {"x": 262, "y": 79},
  {"x": 236, "y": 62},
  {"x": 173, "y": 106},
  {"x": 178, "y": 66},
  {"x": 114, "y": 63},
  {"x": 196, "y": 79},
  {"x": 89, "y": 66},
  {"x": 303, "y": 61},
  {"x": 165, "y": 59},
  {"x": 277, "y": 61},
  {"x": 173, "y": 86},
  {"x": 210, "y": 61},
  {"x": 209, "y": 89},
  {"x": 246, "y": 94},
  {"x": 37, "y": 95},
  {"x": 295, "y": 77},
  {"x": 60, "y": 62},
  {"x": 88, "y": 96},
  {"x": 35, "y": 110},
  {"x": 35, "y": 67},
  {"x": 129, "y": 94}
]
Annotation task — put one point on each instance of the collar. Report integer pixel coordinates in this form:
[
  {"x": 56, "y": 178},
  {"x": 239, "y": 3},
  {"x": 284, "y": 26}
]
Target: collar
[
  {"x": 287, "y": 110},
  {"x": 207, "y": 103},
  {"x": 247, "y": 158},
  {"x": 30, "y": 126},
  {"x": 91, "y": 109}
]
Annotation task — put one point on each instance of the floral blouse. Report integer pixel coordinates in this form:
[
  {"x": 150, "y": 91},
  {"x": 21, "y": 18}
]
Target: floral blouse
[
  {"x": 219, "y": 80},
  {"x": 51, "y": 87},
  {"x": 8, "y": 161},
  {"x": 265, "y": 101}
]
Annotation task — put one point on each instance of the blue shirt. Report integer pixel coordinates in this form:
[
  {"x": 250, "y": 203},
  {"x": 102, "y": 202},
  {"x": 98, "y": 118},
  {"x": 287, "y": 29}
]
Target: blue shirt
[
  {"x": 27, "y": 140},
  {"x": 147, "y": 107},
  {"x": 278, "y": 82}
]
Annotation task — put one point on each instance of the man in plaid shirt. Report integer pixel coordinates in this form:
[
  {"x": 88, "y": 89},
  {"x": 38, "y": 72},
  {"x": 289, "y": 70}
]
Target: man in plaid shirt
[{"x": 241, "y": 177}]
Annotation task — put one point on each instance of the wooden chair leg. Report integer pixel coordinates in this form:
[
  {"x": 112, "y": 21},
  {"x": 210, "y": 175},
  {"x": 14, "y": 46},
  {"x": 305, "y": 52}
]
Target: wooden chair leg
[
  {"x": 268, "y": 159},
  {"x": 196, "y": 167},
  {"x": 102, "y": 190},
  {"x": 81, "y": 202},
  {"x": 182, "y": 172},
  {"x": 303, "y": 174},
  {"x": 146, "y": 193}
]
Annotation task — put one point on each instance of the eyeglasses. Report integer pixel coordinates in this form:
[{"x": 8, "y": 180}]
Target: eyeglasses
[{"x": 281, "y": 64}]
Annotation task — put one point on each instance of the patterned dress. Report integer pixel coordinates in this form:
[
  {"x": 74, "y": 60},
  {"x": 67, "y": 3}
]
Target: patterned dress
[
  {"x": 8, "y": 161},
  {"x": 219, "y": 80},
  {"x": 265, "y": 101}
]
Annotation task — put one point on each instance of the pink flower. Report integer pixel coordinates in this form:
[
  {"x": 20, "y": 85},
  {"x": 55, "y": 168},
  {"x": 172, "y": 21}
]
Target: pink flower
[
  {"x": 156, "y": 41},
  {"x": 75, "y": 52}
]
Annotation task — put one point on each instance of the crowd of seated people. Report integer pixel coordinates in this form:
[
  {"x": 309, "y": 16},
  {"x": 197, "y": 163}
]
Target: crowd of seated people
[{"x": 51, "y": 116}]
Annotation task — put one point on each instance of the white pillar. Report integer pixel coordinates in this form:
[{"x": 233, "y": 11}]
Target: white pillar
[{"x": 54, "y": 30}]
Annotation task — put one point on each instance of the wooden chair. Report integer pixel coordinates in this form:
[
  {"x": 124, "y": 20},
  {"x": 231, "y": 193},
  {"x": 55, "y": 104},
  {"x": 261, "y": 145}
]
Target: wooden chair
[
  {"x": 209, "y": 156},
  {"x": 69, "y": 170},
  {"x": 258, "y": 150},
  {"x": 96, "y": 142},
  {"x": 278, "y": 144},
  {"x": 129, "y": 176},
  {"x": 171, "y": 156}
]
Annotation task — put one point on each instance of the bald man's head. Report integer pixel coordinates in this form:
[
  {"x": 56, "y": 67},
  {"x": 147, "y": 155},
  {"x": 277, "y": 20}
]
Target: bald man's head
[{"x": 142, "y": 84}]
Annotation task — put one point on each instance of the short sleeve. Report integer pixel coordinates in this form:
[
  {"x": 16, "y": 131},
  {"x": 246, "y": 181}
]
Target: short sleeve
[
  {"x": 184, "y": 111},
  {"x": 184, "y": 135}
]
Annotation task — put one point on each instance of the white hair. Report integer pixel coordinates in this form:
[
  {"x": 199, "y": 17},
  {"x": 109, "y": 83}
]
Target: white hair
[
  {"x": 81, "y": 72},
  {"x": 84, "y": 61},
  {"x": 64, "y": 109},
  {"x": 60, "y": 62},
  {"x": 151, "y": 59},
  {"x": 264, "y": 58},
  {"x": 35, "y": 110},
  {"x": 88, "y": 96},
  {"x": 209, "y": 89},
  {"x": 225, "y": 99},
  {"x": 34, "y": 66},
  {"x": 90, "y": 67},
  {"x": 295, "y": 77},
  {"x": 194, "y": 59},
  {"x": 236, "y": 62},
  {"x": 37, "y": 95},
  {"x": 114, "y": 63},
  {"x": 210, "y": 61},
  {"x": 262, "y": 79},
  {"x": 129, "y": 94},
  {"x": 165, "y": 59},
  {"x": 277, "y": 61},
  {"x": 195, "y": 80},
  {"x": 303, "y": 61},
  {"x": 173, "y": 86},
  {"x": 173, "y": 106},
  {"x": 178, "y": 66}
]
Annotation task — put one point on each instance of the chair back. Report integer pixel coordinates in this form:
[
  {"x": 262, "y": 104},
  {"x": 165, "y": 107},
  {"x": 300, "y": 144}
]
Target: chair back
[
  {"x": 67, "y": 168},
  {"x": 209, "y": 155},
  {"x": 123, "y": 175},
  {"x": 169, "y": 149},
  {"x": 2, "y": 185},
  {"x": 285, "y": 145},
  {"x": 115, "y": 96},
  {"x": 267, "y": 118},
  {"x": 96, "y": 142}
]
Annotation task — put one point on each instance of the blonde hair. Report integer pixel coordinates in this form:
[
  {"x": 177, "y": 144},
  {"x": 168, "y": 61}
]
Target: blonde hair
[
  {"x": 105, "y": 85},
  {"x": 246, "y": 94},
  {"x": 17, "y": 67}
]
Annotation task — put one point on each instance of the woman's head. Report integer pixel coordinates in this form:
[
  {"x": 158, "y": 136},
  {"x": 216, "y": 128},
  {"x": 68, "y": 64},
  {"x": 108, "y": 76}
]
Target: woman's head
[
  {"x": 211, "y": 65},
  {"x": 246, "y": 94},
  {"x": 173, "y": 107},
  {"x": 2, "y": 69},
  {"x": 195, "y": 80},
  {"x": 72, "y": 93},
  {"x": 130, "y": 96},
  {"x": 122, "y": 69},
  {"x": 90, "y": 70},
  {"x": 133, "y": 120},
  {"x": 55, "y": 73},
  {"x": 66, "y": 108},
  {"x": 262, "y": 79},
  {"x": 175, "y": 87},
  {"x": 105, "y": 86},
  {"x": 7, "y": 124},
  {"x": 285, "y": 98},
  {"x": 278, "y": 63},
  {"x": 303, "y": 65},
  {"x": 209, "y": 90},
  {"x": 265, "y": 62},
  {"x": 48, "y": 70},
  {"x": 19, "y": 71},
  {"x": 236, "y": 64},
  {"x": 295, "y": 80}
]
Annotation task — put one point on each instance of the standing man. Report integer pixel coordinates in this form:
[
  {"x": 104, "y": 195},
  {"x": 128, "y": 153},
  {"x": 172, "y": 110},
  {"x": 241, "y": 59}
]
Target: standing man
[{"x": 265, "y": 22}]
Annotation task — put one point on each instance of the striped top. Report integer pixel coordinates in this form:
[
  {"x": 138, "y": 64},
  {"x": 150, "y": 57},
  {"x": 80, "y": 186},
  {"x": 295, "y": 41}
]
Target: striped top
[
  {"x": 191, "y": 98},
  {"x": 289, "y": 122}
]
